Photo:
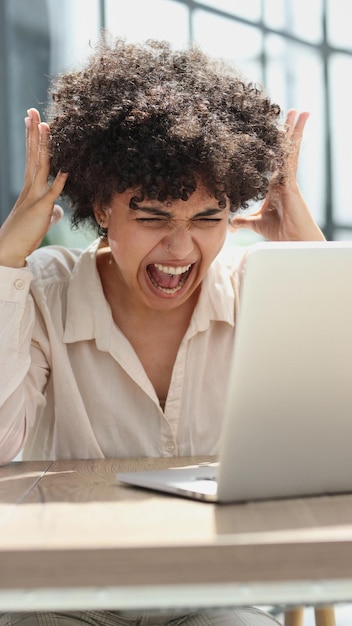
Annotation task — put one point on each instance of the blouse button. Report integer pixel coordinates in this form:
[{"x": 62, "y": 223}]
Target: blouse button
[
  {"x": 19, "y": 283},
  {"x": 170, "y": 447}
]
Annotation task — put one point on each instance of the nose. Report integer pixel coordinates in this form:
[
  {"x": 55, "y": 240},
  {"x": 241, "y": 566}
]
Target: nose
[{"x": 179, "y": 243}]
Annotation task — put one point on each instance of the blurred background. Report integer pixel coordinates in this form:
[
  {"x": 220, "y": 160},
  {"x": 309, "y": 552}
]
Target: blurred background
[{"x": 301, "y": 50}]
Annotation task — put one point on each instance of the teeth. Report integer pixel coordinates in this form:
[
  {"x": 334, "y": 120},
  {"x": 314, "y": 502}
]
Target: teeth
[
  {"x": 172, "y": 271},
  {"x": 169, "y": 290}
]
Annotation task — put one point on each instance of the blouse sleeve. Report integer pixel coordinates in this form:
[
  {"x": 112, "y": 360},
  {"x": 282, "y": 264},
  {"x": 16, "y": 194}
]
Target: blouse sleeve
[{"x": 16, "y": 328}]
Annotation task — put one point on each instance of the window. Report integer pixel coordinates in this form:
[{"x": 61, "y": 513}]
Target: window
[{"x": 301, "y": 51}]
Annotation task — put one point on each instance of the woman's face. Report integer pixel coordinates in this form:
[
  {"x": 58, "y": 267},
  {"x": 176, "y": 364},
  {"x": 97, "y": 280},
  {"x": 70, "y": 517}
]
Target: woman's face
[{"x": 162, "y": 250}]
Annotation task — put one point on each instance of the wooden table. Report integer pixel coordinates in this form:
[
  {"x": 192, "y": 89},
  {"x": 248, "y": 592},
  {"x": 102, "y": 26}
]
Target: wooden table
[{"x": 71, "y": 537}]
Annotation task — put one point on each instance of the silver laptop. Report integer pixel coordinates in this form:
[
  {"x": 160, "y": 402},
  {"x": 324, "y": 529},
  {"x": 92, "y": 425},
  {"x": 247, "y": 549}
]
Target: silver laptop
[{"x": 287, "y": 428}]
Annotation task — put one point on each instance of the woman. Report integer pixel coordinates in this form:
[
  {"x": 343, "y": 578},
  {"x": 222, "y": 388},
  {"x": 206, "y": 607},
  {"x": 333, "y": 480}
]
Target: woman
[{"x": 123, "y": 349}]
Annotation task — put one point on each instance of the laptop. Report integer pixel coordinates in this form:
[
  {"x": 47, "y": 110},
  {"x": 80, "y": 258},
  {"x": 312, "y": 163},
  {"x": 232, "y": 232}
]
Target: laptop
[{"x": 287, "y": 429}]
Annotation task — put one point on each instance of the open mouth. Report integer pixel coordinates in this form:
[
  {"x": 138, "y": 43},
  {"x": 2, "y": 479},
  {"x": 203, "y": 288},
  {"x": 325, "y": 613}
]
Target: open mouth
[{"x": 167, "y": 278}]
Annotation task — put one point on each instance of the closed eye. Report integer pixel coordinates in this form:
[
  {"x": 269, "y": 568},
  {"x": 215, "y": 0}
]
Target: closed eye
[
  {"x": 161, "y": 221},
  {"x": 207, "y": 219},
  {"x": 156, "y": 222},
  {"x": 206, "y": 222}
]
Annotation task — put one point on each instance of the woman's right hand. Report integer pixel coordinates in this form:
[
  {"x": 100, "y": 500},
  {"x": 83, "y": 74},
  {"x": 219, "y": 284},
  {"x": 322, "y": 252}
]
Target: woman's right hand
[{"x": 35, "y": 210}]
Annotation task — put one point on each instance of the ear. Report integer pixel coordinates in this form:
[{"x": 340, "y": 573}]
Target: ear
[{"x": 101, "y": 215}]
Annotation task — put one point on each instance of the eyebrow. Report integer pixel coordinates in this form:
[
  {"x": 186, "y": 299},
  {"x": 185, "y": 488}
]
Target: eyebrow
[{"x": 161, "y": 213}]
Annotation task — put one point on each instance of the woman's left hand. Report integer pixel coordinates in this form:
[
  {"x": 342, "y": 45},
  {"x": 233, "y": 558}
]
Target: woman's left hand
[{"x": 284, "y": 214}]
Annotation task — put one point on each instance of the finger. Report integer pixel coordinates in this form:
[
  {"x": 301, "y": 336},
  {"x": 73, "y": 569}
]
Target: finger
[
  {"x": 34, "y": 114},
  {"x": 295, "y": 127},
  {"x": 29, "y": 164},
  {"x": 253, "y": 218},
  {"x": 248, "y": 221},
  {"x": 48, "y": 197},
  {"x": 299, "y": 126},
  {"x": 32, "y": 142},
  {"x": 57, "y": 187},
  {"x": 43, "y": 156},
  {"x": 290, "y": 121},
  {"x": 295, "y": 124},
  {"x": 39, "y": 183},
  {"x": 253, "y": 225},
  {"x": 33, "y": 135},
  {"x": 265, "y": 205}
]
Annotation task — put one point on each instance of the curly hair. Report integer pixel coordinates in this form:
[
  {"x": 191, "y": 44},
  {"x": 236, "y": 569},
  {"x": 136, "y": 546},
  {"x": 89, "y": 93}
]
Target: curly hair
[{"x": 158, "y": 120}]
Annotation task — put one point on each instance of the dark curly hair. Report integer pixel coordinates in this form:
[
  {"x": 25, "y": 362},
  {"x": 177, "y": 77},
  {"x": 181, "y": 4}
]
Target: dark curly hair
[{"x": 158, "y": 120}]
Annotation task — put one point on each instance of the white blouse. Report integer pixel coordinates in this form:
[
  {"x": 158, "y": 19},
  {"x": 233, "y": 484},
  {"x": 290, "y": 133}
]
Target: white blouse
[{"x": 72, "y": 386}]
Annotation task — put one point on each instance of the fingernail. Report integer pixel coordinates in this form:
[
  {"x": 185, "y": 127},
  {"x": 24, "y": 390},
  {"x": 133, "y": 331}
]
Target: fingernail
[{"x": 27, "y": 121}]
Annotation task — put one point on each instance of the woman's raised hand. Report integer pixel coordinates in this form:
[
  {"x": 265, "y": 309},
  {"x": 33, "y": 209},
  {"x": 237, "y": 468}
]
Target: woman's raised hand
[
  {"x": 284, "y": 214},
  {"x": 35, "y": 210}
]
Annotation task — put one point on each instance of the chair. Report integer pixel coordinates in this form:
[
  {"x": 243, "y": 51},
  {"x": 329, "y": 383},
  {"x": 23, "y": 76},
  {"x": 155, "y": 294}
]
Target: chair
[{"x": 324, "y": 616}]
